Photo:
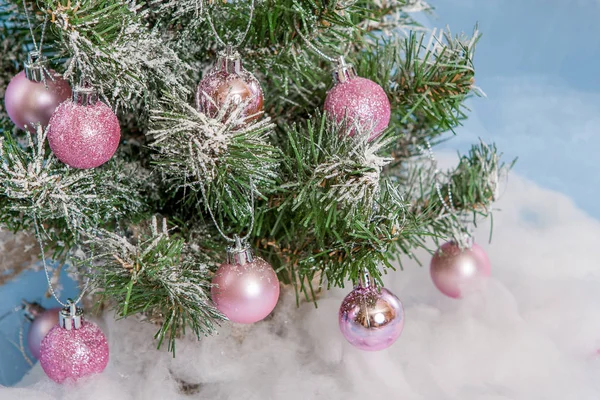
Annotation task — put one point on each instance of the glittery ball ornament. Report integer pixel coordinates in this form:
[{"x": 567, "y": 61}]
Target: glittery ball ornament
[
  {"x": 42, "y": 320},
  {"x": 33, "y": 95},
  {"x": 245, "y": 288},
  {"x": 456, "y": 271},
  {"x": 359, "y": 102},
  {"x": 84, "y": 133},
  {"x": 229, "y": 89},
  {"x": 74, "y": 348},
  {"x": 371, "y": 319}
]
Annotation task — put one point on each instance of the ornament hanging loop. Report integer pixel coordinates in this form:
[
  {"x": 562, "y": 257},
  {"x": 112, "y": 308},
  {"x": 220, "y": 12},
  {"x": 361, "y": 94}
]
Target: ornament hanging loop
[
  {"x": 240, "y": 39},
  {"x": 343, "y": 72},
  {"x": 236, "y": 240}
]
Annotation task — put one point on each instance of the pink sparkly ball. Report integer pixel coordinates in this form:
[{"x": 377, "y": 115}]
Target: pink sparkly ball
[
  {"x": 73, "y": 354},
  {"x": 360, "y": 101},
  {"x": 456, "y": 272},
  {"x": 84, "y": 136},
  {"x": 28, "y": 102},
  {"x": 245, "y": 293},
  {"x": 371, "y": 319}
]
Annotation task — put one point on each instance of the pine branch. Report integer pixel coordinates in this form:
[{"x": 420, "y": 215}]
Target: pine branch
[
  {"x": 324, "y": 216},
  {"x": 110, "y": 44},
  {"x": 468, "y": 191},
  {"x": 220, "y": 155},
  {"x": 34, "y": 184},
  {"x": 156, "y": 275}
]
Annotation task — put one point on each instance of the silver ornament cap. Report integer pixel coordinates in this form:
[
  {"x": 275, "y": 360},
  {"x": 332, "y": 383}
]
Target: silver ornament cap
[
  {"x": 32, "y": 310},
  {"x": 35, "y": 66},
  {"x": 343, "y": 71},
  {"x": 229, "y": 61},
  {"x": 84, "y": 94},
  {"x": 71, "y": 317},
  {"x": 240, "y": 253}
]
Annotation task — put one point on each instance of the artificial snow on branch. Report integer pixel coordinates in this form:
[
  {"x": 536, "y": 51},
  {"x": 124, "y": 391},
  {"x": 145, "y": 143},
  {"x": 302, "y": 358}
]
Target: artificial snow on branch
[
  {"x": 221, "y": 154},
  {"x": 158, "y": 275},
  {"x": 35, "y": 184}
]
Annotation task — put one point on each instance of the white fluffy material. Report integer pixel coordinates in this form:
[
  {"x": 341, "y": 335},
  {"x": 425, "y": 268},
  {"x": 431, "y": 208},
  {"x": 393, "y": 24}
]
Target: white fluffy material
[{"x": 533, "y": 333}]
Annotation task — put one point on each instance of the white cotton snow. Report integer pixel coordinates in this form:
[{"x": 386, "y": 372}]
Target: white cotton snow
[{"x": 532, "y": 333}]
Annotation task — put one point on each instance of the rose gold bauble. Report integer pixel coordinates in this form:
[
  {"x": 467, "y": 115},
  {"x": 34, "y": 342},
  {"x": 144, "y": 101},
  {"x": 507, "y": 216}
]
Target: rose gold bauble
[
  {"x": 371, "y": 318},
  {"x": 229, "y": 84}
]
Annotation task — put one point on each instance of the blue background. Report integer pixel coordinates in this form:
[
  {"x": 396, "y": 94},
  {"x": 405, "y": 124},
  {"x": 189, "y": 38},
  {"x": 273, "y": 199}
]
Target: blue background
[
  {"x": 31, "y": 286},
  {"x": 538, "y": 62}
]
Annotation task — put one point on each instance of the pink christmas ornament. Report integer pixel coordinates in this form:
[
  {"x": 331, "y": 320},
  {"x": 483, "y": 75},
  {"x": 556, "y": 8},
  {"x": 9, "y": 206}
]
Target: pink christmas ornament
[
  {"x": 245, "y": 288},
  {"x": 371, "y": 319},
  {"x": 84, "y": 133},
  {"x": 229, "y": 84},
  {"x": 74, "y": 348},
  {"x": 457, "y": 271},
  {"x": 359, "y": 101},
  {"x": 33, "y": 95},
  {"x": 42, "y": 321}
]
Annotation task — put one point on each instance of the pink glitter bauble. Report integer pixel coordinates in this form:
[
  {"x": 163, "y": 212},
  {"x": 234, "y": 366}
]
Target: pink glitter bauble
[
  {"x": 245, "y": 293},
  {"x": 72, "y": 354},
  {"x": 456, "y": 272},
  {"x": 84, "y": 136},
  {"x": 39, "y": 328},
  {"x": 29, "y": 103},
  {"x": 359, "y": 101},
  {"x": 371, "y": 319}
]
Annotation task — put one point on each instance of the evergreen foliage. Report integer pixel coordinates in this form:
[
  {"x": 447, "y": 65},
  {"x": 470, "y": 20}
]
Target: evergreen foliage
[{"x": 327, "y": 207}]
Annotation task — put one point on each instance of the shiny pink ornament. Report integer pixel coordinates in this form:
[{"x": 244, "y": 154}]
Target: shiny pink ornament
[
  {"x": 42, "y": 321},
  {"x": 455, "y": 272},
  {"x": 230, "y": 84},
  {"x": 84, "y": 133},
  {"x": 371, "y": 319},
  {"x": 359, "y": 101},
  {"x": 33, "y": 95},
  {"x": 73, "y": 349},
  {"x": 245, "y": 288}
]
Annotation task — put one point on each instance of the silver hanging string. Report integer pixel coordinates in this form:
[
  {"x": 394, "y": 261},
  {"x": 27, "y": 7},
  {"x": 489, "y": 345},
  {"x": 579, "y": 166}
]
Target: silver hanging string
[
  {"x": 234, "y": 239},
  {"x": 240, "y": 40},
  {"x": 22, "y": 347},
  {"x": 462, "y": 236},
  {"x": 10, "y": 312},
  {"x": 35, "y": 46},
  {"x": 43, "y": 33},
  {"x": 30, "y": 26},
  {"x": 49, "y": 281},
  {"x": 316, "y": 50},
  {"x": 438, "y": 188}
]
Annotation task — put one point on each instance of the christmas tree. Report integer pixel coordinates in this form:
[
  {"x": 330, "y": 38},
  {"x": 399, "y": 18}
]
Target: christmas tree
[{"x": 302, "y": 126}]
